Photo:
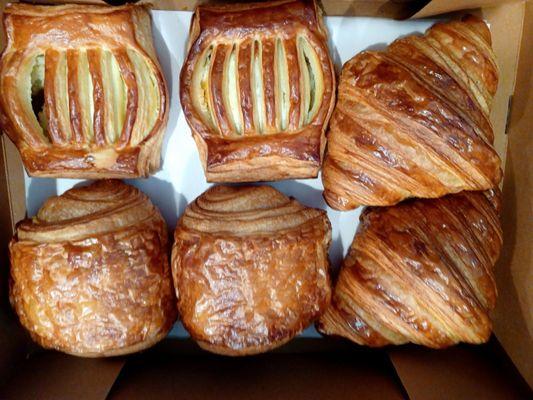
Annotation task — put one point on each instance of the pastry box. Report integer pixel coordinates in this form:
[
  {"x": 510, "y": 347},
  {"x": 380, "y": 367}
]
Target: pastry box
[{"x": 310, "y": 365}]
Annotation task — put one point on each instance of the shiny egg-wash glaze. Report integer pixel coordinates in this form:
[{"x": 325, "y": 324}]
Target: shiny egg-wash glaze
[
  {"x": 250, "y": 268},
  {"x": 90, "y": 273},
  {"x": 413, "y": 120},
  {"x": 257, "y": 89},
  {"x": 105, "y": 99},
  {"x": 420, "y": 272}
]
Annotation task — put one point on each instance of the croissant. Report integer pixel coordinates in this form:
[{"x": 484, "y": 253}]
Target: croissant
[
  {"x": 90, "y": 273},
  {"x": 413, "y": 120},
  {"x": 82, "y": 94},
  {"x": 420, "y": 272},
  {"x": 257, "y": 89},
  {"x": 250, "y": 268}
]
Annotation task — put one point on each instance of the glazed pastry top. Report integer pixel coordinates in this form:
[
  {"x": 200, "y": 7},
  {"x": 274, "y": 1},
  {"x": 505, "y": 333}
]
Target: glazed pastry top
[
  {"x": 84, "y": 79},
  {"x": 256, "y": 69}
]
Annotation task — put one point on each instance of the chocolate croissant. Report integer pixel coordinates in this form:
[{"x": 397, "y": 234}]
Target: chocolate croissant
[
  {"x": 82, "y": 94},
  {"x": 90, "y": 273},
  {"x": 413, "y": 120},
  {"x": 420, "y": 272},
  {"x": 250, "y": 268},
  {"x": 257, "y": 89}
]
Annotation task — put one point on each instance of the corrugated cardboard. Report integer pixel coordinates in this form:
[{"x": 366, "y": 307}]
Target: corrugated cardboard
[{"x": 424, "y": 374}]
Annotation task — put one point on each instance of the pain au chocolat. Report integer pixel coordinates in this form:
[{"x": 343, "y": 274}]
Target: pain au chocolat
[
  {"x": 81, "y": 90},
  {"x": 413, "y": 120},
  {"x": 420, "y": 272},
  {"x": 250, "y": 268},
  {"x": 90, "y": 273},
  {"x": 257, "y": 89}
]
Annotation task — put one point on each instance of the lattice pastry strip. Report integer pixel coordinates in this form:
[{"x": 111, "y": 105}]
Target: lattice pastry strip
[
  {"x": 257, "y": 89},
  {"x": 83, "y": 94}
]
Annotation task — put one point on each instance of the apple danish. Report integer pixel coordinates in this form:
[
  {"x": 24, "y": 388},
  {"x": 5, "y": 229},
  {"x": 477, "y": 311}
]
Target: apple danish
[
  {"x": 257, "y": 89},
  {"x": 420, "y": 272},
  {"x": 250, "y": 268},
  {"x": 90, "y": 273},
  {"x": 413, "y": 120},
  {"x": 82, "y": 93}
]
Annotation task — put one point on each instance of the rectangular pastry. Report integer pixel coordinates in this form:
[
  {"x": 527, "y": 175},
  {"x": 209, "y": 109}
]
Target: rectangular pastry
[
  {"x": 82, "y": 93},
  {"x": 257, "y": 89}
]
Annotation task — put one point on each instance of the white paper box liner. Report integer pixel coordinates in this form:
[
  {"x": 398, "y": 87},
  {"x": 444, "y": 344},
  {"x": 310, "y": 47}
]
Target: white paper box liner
[{"x": 181, "y": 178}]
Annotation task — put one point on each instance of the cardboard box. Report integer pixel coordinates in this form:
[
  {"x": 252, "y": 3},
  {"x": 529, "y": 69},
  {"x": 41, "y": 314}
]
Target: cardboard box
[{"x": 323, "y": 368}]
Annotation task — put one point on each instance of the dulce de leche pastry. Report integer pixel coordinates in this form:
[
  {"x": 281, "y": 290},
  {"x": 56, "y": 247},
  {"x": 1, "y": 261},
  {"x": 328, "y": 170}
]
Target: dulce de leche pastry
[
  {"x": 250, "y": 268},
  {"x": 90, "y": 273},
  {"x": 257, "y": 89},
  {"x": 413, "y": 120},
  {"x": 81, "y": 91},
  {"x": 420, "y": 272}
]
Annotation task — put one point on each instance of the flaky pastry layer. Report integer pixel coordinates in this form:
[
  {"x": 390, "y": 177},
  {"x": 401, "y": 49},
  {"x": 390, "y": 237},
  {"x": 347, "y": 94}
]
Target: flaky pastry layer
[
  {"x": 82, "y": 94},
  {"x": 90, "y": 273},
  {"x": 250, "y": 268},
  {"x": 413, "y": 120},
  {"x": 420, "y": 272},
  {"x": 257, "y": 89}
]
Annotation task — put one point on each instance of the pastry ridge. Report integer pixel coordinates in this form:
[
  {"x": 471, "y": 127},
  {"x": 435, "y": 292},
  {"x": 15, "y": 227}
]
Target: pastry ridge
[
  {"x": 257, "y": 89},
  {"x": 250, "y": 268},
  {"x": 420, "y": 272},
  {"x": 90, "y": 273},
  {"x": 83, "y": 95},
  {"x": 413, "y": 120}
]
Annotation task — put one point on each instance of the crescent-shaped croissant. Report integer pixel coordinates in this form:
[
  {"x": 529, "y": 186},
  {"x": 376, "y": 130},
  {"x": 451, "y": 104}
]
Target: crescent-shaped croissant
[
  {"x": 82, "y": 94},
  {"x": 413, "y": 120},
  {"x": 420, "y": 272},
  {"x": 257, "y": 89},
  {"x": 90, "y": 273},
  {"x": 250, "y": 268}
]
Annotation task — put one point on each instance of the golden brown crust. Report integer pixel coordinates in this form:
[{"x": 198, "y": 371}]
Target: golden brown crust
[
  {"x": 421, "y": 272},
  {"x": 90, "y": 273},
  {"x": 257, "y": 89},
  {"x": 105, "y": 100},
  {"x": 413, "y": 120},
  {"x": 250, "y": 268}
]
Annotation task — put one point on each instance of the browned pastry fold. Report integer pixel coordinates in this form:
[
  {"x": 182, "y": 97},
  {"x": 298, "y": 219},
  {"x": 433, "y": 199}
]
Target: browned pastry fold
[
  {"x": 413, "y": 120},
  {"x": 420, "y": 272},
  {"x": 82, "y": 94},
  {"x": 250, "y": 268},
  {"x": 257, "y": 89},
  {"x": 90, "y": 273}
]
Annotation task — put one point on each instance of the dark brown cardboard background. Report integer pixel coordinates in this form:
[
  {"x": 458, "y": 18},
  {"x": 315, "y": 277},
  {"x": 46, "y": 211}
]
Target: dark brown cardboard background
[
  {"x": 52, "y": 375},
  {"x": 460, "y": 372},
  {"x": 309, "y": 369},
  {"x": 513, "y": 317}
]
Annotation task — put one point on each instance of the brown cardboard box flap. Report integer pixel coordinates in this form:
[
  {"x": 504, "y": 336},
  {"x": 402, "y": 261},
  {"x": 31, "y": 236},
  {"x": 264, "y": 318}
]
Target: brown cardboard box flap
[
  {"x": 174, "y": 370},
  {"x": 460, "y": 372},
  {"x": 436, "y": 7},
  {"x": 374, "y": 8},
  {"x": 52, "y": 375},
  {"x": 513, "y": 317}
]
